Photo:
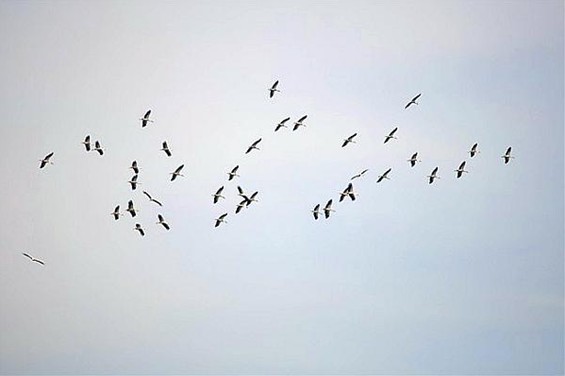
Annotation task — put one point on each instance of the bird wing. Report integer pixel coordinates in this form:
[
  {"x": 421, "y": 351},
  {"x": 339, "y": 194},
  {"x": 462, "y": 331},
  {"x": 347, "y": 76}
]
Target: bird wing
[
  {"x": 435, "y": 171},
  {"x": 275, "y": 84},
  {"x": 234, "y": 170},
  {"x": 302, "y": 118},
  {"x": 146, "y": 116},
  {"x": 350, "y": 138},
  {"x": 393, "y": 132},
  {"x": 462, "y": 165},
  {"x": 414, "y": 156},
  {"x": 387, "y": 171},
  {"x": 223, "y": 215},
  {"x": 240, "y": 190},
  {"x": 51, "y": 154},
  {"x": 166, "y": 225},
  {"x": 509, "y": 150},
  {"x": 179, "y": 168},
  {"x": 147, "y": 194},
  {"x": 134, "y": 178},
  {"x": 328, "y": 205},
  {"x": 28, "y": 256},
  {"x": 380, "y": 178},
  {"x": 38, "y": 261},
  {"x": 256, "y": 142},
  {"x": 416, "y": 98},
  {"x": 285, "y": 120},
  {"x": 130, "y": 205},
  {"x": 160, "y": 217},
  {"x": 253, "y": 195},
  {"x": 219, "y": 191},
  {"x": 345, "y": 142},
  {"x": 157, "y": 202},
  {"x": 349, "y": 187}
]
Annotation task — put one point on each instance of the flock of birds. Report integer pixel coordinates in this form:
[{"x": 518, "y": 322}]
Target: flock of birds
[{"x": 247, "y": 200}]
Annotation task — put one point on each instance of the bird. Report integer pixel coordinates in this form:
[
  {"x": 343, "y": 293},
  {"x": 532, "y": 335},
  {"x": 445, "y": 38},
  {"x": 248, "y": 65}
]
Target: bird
[
  {"x": 151, "y": 198},
  {"x": 176, "y": 172},
  {"x": 98, "y": 148},
  {"x": 33, "y": 259},
  {"x": 221, "y": 219},
  {"x": 360, "y": 174},
  {"x": 316, "y": 211},
  {"x": 145, "y": 119},
  {"x": 349, "y": 140},
  {"x": 162, "y": 222},
  {"x": 328, "y": 209},
  {"x": 250, "y": 199},
  {"x": 241, "y": 205},
  {"x": 281, "y": 124},
  {"x": 461, "y": 169},
  {"x": 274, "y": 89},
  {"x": 433, "y": 175},
  {"x": 134, "y": 167},
  {"x": 86, "y": 142},
  {"x": 218, "y": 194},
  {"x": 139, "y": 228},
  {"x": 351, "y": 193},
  {"x": 131, "y": 209},
  {"x": 384, "y": 176},
  {"x": 348, "y": 191},
  {"x": 507, "y": 157},
  {"x": 46, "y": 160},
  {"x": 391, "y": 135},
  {"x": 413, "y": 101},
  {"x": 116, "y": 213},
  {"x": 253, "y": 146},
  {"x": 413, "y": 159},
  {"x": 166, "y": 149},
  {"x": 233, "y": 173},
  {"x": 299, "y": 123},
  {"x": 474, "y": 150},
  {"x": 133, "y": 182}
]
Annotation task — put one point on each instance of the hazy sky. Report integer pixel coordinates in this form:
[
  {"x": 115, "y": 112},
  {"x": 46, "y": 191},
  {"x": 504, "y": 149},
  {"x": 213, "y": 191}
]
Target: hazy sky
[{"x": 464, "y": 276}]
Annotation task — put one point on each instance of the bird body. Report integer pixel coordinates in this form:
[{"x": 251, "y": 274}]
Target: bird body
[
  {"x": 166, "y": 149},
  {"x": 177, "y": 172},
  {"x": 145, "y": 119},
  {"x": 233, "y": 173},
  {"x": 328, "y": 208},
  {"x": 316, "y": 212},
  {"x": 221, "y": 219},
  {"x": 349, "y": 140},
  {"x": 86, "y": 142},
  {"x": 413, "y": 159},
  {"x": 299, "y": 123},
  {"x": 474, "y": 150},
  {"x": 134, "y": 167},
  {"x": 140, "y": 229},
  {"x": 413, "y": 101},
  {"x": 281, "y": 124},
  {"x": 360, "y": 174},
  {"x": 162, "y": 222},
  {"x": 131, "y": 210},
  {"x": 33, "y": 259},
  {"x": 46, "y": 159},
  {"x": 433, "y": 175},
  {"x": 384, "y": 176},
  {"x": 98, "y": 148},
  {"x": 461, "y": 169},
  {"x": 253, "y": 146},
  {"x": 152, "y": 199},
  {"x": 133, "y": 182},
  {"x": 274, "y": 89},
  {"x": 347, "y": 192},
  {"x": 116, "y": 213},
  {"x": 507, "y": 157},
  {"x": 218, "y": 194},
  {"x": 391, "y": 135}
]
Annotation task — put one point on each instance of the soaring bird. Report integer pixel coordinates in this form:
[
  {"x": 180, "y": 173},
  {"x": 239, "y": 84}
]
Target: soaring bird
[
  {"x": 86, "y": 142},
  {"x": 139, "y": 228},
  {"x": 360, "y": 174},
  {"x": 253, "y": 146},
  {"x": 98, "y": 148},
  {"x": 316, "y": 212},
  {"x": 166, "y": 149},
  {"x": 349, "y": 140},
  {"x": 131, "y": 209},
  {"x": 391, "y": 135},
  {"x": 46, "y": 160},
  {"x": 133, "y": 182},
  {"x": 241, "y": 205},
  {"x": 250, "y": 199},
  {"x": 145, "y": 119},
  {"x": 221, "y": 219},
  {"x": 461, "y": 169},
  {"x": 162, "y": 222},
  {"x": 413, "y": 159},
  {"x": 116, "y": 213},
  {"x": 218, "y": 194},
  {"x": 507, "y": 157},
  {"x": 233, "y": 173},
  {"x": 328, "y": 209},
  {"x": 433, "y": 175},
  {"x": 413, "y": 101},
  {"x": 134, "y": 167},
  {"x": 384, "y": 176},
  {"x": 281, "y": 124},
  {"x": 348, "y": 191},
  {"x": 474, "y": 150},
  {"x": 176, "y": 172},
  {"x": 33, "y": 259},
  {"x": 299, "y": 123},
  {"x": 151, "y": 198},
  {"x": 274, "y": 89}
]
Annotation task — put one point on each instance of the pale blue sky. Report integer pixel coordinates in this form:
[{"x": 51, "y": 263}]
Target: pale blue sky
[{"x": 464, "y": 276}]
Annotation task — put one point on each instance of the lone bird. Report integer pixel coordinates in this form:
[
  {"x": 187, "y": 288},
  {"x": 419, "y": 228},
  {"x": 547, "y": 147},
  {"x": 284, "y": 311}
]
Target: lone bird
[
  {"x": 116, "y": 213},
  {"x": 461, "y": 169},
  {"x": 177, "y": 172},
  {"x": 233, "y": 173},
  {"x": 140, "y": 229},
  {"x": 133, "y": 182},
  {"x": 253, "y": 146},
  {"x": 152, "y": 199},
  {"x": 281, "y": 124},
  {"x": 145, "y": 119},
  {"x": 328, "y": 209},
  {"x": 221, "y": 219},
  {"x": 474, "y": 150},
  {"x": 166, "y": 149},
  {"x": 391, "y": 135},
  {"x": 433, "y": 175},
  {"x": 131, "y": 209},
  {"x": 299, "y": 123},
  {"x": 349, "y": 140},
  {"x": 413, "y": 159},
  {"x": 413, "y": 101},
  {"x": 384, "y": 176},
  {"x": 316, "y": 212},
  {"x": 507, "y": 157},
  {"x": 162, "y": 222},
  {"x": 98, "y": 148},
  {"x": 33, "y": 259},
  {"x": 86, "y": 142},
  {"x": 360, "y": 174},
  {"x": 218, "y": 194},
  {"x": 274, "y": 89},
  {"x": 46, "y": 160}
]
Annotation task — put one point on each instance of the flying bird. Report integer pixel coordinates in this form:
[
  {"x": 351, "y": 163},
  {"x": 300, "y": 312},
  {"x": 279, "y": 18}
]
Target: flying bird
[
  {"x": 33, "y": 259},
  {"x": 116, "y": 213},
  {"x": 413, "y": 159},
  {"x": 134, "y": 167},
  {"x": 241, "y": 205},
  {"x": 221, "y": 219},
  {"x": 461, "y": 169},
  {"x": 413, "y": 101},
  {"x": 145, "y": 119},
  {"x": 233, "y": 173},
  {"x": 391, "y": 135},
  {"x": 139, "y": 228},
  {"x": 176, "y": 172},
  {"x": 507, "y": 157},
  {"x": 474, "y": 150},
  {"x": 360, "y": 174},
  {"x": 151, "y": 198},
  {"x": 98, "y": 148},
  {"x": 253, "y": 146},
  {"x": 384, "y": 176},
  {"x": 166, "y": 149},
  {"x": 218, "y": 194},
  {"x": 349, "y": 140},
  {"x": 274, "y": 89},
  {"x": 348, "y": 191},
  {"x": 316, "y": 212},
  {"x": 133, "y": 182},
  {"x": 328, "y": 209},
  {"x": 46, "y": 160},
  {"x": 299, "y": 123},
  {"x": 433, "y": 175},
  {"x": 281, "y": 124},
  {"x": 86, "y": 143},
  {"x": 162, "y": 222},
  {"x": 250, "y": 199},
  {"x": 131, "y": 209}
]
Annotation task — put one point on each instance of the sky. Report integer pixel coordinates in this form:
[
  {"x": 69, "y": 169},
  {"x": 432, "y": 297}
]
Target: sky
[{"x": 462, "y": 276}]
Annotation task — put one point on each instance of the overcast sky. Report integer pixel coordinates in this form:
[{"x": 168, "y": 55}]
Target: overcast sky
[{"x": 464, "y": 276}]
